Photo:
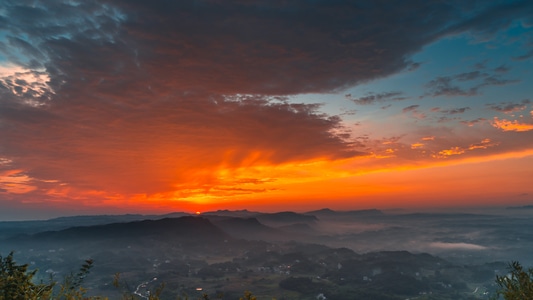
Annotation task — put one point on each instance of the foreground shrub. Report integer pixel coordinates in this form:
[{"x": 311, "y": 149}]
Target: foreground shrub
[{"x": 517, "y": 285}]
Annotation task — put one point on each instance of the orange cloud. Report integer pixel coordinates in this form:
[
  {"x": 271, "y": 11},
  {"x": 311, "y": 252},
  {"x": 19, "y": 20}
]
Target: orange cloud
[
  {"x": 452, "y": 151},
  {"x": 417, "y": 145},
  {"x": 484, "y": 144},
  {"x": 507, "y": 125},
  {"x": 16, "y": 182}
]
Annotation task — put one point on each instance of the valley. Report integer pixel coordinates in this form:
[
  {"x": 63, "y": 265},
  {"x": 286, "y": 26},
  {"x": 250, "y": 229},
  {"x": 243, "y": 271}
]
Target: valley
[{"x": 315, "y": 255}]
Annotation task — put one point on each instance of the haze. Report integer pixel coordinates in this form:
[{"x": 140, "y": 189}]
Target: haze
[{"x": 364, "y": 254}]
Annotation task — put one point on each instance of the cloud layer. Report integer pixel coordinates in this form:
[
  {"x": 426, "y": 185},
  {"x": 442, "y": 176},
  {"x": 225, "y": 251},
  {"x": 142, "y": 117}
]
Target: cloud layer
[{"x": 146, "y": 97}]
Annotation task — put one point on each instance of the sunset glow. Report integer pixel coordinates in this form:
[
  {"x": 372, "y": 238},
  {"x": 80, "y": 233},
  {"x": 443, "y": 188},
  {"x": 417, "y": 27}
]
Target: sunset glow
[{"x": 154, "y": 107}]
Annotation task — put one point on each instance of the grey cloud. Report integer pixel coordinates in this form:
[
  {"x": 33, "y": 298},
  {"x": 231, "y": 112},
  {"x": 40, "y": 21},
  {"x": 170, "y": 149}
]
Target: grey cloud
[
  {"x": 455, "y": 110},
  {"x": 510, "y": 107},
  {"x": 410, "y": 108},
  {"x": 414, "y": 66},
  {"x": 487, "y": 21},
  {"x": 502, "y": 69},
  {"x": 469, "y": 76},
  {"x": 480, "y": 65},
  {"x": 444, "y": 86},
  {"x": 446, "y": 119},
  {"x": 525, "y": 56},
  {"x": 466, "y": 84},
  {"x": 496, "y": 80},
  {"x": 376, "y": 98},
  {"x": 246, "y": 47},
  {"x": 473, "y": 122}
]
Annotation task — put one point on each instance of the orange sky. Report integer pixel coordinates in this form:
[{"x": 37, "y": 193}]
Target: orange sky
[{"x": 157, "y": 107}]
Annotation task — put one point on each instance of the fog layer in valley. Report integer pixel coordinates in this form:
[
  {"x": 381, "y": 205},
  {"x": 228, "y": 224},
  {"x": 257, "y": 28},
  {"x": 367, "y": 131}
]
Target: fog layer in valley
[{"x": 287, "y": 255}]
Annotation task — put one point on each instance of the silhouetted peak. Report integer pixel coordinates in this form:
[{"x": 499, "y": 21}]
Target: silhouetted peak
[
  {"x": 184, "y": 227},
  {"x": 322, "y": 211}
]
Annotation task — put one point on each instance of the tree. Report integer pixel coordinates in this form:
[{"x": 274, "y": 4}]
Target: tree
[
  {"x": 248, "y": 296},
  {"x": 517, "y": 285},
  {"x": 16, "y": 282}
]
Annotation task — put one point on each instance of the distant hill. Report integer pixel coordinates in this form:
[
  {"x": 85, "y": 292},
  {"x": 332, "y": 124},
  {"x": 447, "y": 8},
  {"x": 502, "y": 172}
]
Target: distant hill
[
  {"x": 326, "y": 212},
  {"x": 13, "y": 228},
  {"x": 250, "y": 229},
  {"x": 526, "y": 207},
  {"x": 107, "y": 219},
  {"x": 187, "y": 227},
  {"x": 300, "y": 228},
  {"x": 244, "y": 213},
  {"x": 286, "y": 217}
]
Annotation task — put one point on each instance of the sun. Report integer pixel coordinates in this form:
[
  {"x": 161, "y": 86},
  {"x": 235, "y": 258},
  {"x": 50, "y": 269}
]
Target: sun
[{"x": 198, "y": 213}]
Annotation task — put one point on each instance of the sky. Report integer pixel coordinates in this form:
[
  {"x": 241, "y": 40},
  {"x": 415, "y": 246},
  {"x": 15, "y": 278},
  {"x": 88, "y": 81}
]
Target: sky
[{"x": 132, "y": 106}]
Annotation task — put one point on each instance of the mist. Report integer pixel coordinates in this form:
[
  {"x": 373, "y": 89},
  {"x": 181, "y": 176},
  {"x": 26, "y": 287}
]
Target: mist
[{"x": 339, "y": 253}]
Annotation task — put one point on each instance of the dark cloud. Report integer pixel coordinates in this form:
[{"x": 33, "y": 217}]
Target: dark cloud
[
  {"x": 410, "y": 108},
  {"x": 268, "y": 47},
  {"x": 446, "y": 119},
  {"x": 510, "y": 107},
  {"x": 147, "y": 96},
  {"x": 444, "y": 86},
  {"x": 524, "y": 56},
  {"x": 376, "y": 98},
  {"x": 455, "y": 110},
  {"x": 481, "y": 65},
  {"x": 471, "y": 123},
  {"x": 487, "y": 21},
  {"x": 181, "y": 135},
  {"x": 496, "y": 80},
  {"x": 413, "y": 111},
  {"x": 466, "y": 84},
  {"x": 502, "y": 69},
  {"x": 468, "y": 76},
  {"x": 414, "y": 66}
]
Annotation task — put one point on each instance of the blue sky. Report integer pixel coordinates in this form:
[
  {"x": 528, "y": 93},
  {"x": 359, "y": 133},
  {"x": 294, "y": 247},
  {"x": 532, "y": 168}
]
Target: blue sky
[{"x": 128, "y": 106}]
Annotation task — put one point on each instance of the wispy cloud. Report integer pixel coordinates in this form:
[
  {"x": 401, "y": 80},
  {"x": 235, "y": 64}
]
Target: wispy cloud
[
  {"x": 414, "y": 112},
  {"x": 466, "y": 84},
  {"x": 471, "y": 123},
  {"x": 510, "y": 107},
  {"x": 457, "y": 150},
  {"x": 410, "y": 108},
  {"x": 376, "y": 98}
]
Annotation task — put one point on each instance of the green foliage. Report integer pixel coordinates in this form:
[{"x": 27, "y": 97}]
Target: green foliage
[
  {"x": 16, "y": 282},
  {"x": 248, "y": 296},
  {"x": 71, "y": 287},
  {"x": 517, "y": 285}
]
